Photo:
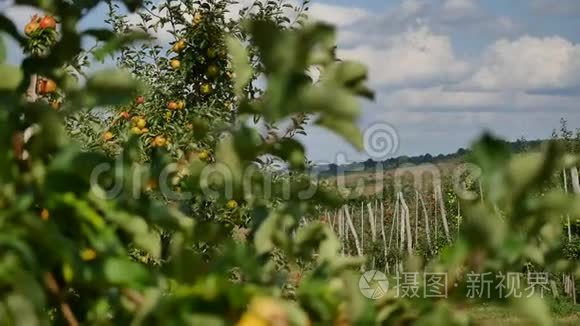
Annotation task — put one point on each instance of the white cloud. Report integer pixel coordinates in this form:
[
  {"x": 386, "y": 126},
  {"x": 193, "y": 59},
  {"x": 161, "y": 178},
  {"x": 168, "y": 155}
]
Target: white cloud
[
  {"x": 336, "y": 15},
  {"x": 411, "y": 7},
  {"x": 415, "y": 57},
  {"x": 459, "y": 5},
  {"x": 528, "y": 63},
  {"x": 440, "y": 99},
  {"x": 436, "y": 98},
  {"x": 442, "y": 16},
  {"x": 559, "y": 7}
]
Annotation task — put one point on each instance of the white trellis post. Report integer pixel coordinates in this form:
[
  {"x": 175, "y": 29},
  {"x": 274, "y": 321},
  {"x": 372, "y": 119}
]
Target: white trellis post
[
  {"x": 416, "y": 218},
  {"x": 427, "y": 231},
  {"x": 459, "y": 218},
  {"x": 341, "y": 230},
  {"x": 567, "y": 216},
  {"x": 394, "y": 226},
  {"x": 362, "y": 228},
  {"x": 353, "y": 230},
  {"x": 329, "y": 218},
  {"x": 373, "y": 231},
  {"x": 443, "y": 212},
  {"x": 384, "y": 236},
  {"x": 407, "y": 224},
  {"x": 576, "y": 188},
  {"x": 346, "y": 233},
  {"x": 402, "y": 221}
]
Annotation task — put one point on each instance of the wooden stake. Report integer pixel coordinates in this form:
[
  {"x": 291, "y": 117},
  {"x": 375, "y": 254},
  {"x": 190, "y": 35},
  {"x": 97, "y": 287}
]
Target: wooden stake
[
  {"x": 407, "y": 224},
  {"x": 427, "y": 231},
  {"x": 373, "y": 231},
  {"x": 384, "y": 236},
  {"x": 416, "y": 218},
  {"x": 443, "y": 212},
  {"x": 352, "y": 229},
  {"x": 362, "y": 228},
  {"x": 576, "y": 188},
  {"x": 567, "y": 216}
]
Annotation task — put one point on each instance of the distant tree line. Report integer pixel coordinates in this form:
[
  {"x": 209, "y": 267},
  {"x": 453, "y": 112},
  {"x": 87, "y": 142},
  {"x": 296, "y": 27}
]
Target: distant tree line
[{"x": 518, "y": 146}]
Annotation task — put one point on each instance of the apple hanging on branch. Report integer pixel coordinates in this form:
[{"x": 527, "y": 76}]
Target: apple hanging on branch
[{"x": 42, "y": 34}]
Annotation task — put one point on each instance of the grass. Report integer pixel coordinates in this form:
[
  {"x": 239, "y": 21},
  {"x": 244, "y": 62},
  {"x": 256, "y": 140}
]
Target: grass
[
  {"x": 368, "y": 183},
  {"x": 486, "y": 314}
]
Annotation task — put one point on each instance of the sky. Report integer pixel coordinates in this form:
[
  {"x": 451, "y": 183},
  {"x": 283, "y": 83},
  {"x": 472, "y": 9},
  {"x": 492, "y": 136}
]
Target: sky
[{"x": 445, "y": 71}]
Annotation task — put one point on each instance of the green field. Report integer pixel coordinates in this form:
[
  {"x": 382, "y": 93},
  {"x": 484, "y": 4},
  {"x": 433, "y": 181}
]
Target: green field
[{"x": 485, "y": 314}]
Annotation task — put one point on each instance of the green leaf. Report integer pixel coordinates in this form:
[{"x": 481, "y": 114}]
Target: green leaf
[
  {"x": 290, "y": 150},
  {"x": 309, "y": 236},
  {"x": 142, "y": 235},
  {"x": 116, "y": 43},
  {"x": 20, "y": 309},
  {"x": 111, "y": 87},
  {"x": 11, "y": 77},
  {"x": 350, "y": 75},
  {"x": 207, "y": 319},
  {"x": 12, "y": 243},
  {"x": 100, "y": 34},
  {"x": 133, "y": 5},
  {"x": 273, "y": 54},
  {"x": 2, "y": 49},
  {"x": 347, "y": 73},
  {"x": 334, "y": 101},
  {"x": 124, "y": 272},
  {"x": 534, "y": 308},
  {"x": 241, "y": 64},
  {"x": 345, "y": 128},
  {"x": 323, "y": 54},
  {"x": 296, "y": 315},
  {"x": 226, "y": 154},
  {"x": 263, "y": 239},
  {"x": 490, "y": 153},
  {"x": 8, "y": 26},
  {"x": 330, "y": 246},
  {"x": 84, "y": 211}
]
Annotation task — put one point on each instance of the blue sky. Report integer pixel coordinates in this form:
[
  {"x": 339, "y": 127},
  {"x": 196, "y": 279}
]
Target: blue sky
[{"x": 446, "y": 70}]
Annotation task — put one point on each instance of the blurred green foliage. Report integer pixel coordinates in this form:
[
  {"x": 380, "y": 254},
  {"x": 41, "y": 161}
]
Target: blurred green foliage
[{"x": 88, "y": 235}]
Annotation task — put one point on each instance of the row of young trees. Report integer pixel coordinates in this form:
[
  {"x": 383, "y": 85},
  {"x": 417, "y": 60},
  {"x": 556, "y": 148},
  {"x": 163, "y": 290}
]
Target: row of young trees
[
  {"x": 423, "y": 215},
  {"x": 97, "y": 230}
]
